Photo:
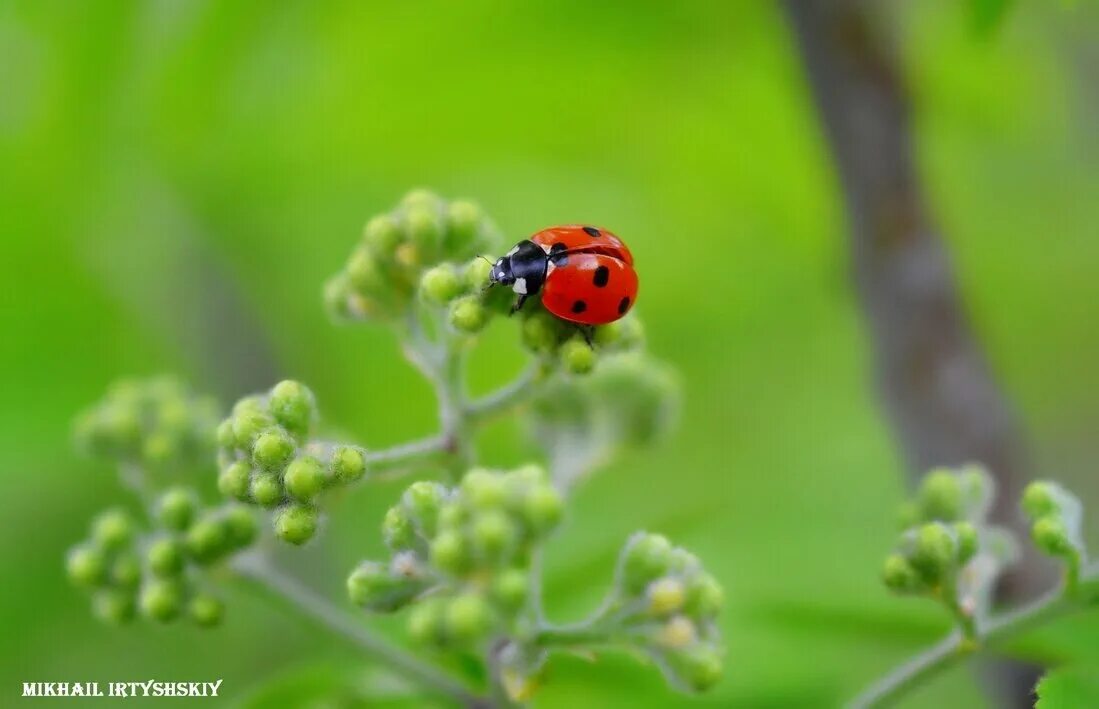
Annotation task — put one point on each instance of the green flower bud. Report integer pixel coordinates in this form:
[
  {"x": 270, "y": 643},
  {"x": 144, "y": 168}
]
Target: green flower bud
[
  {"x": 113, "y": 529},
  {"x": 1051, "y": 536},
  {"x": 696, "y": 668},
  {"x": 86, "y": 566},
  {"x": 113, "y": 606},
  {"x": 510, "y": 589},
  {"x": 266, "y": 490},
  {"x": 967, "y": 540},
  {"x": 248, "y": 425},
  {"x": 176, "y": 508},
  {"x": 226, "y": 438},
  {"x": 126, "y": 571},
  {"x": 440, "y": 285},
  {"x": 1040, "y": 499},
  {"x": 645, "y": 558},
  {"x": 475, "y": 274},
  {"x": 365, "y": 274},
  {"x": 348, "y": 464},
  {"x": 665, "y": 596},
  {"x": 162, "y": 600},
  {"x": 165, "y": 557},
  {"x": 421, "y": 198},
  {"x": 935, "y": 551},
  {"x": 296, "y": 524},
  {"x": 578, "y": 356},
  {"x": 207, "y": 540},
  {"x": 899, "y": 576},
  {"x": 462, "y": 221},
  {"x": 468, "y": 314},
  {"x": 273, "y": 450},
  {"x": 426, "y": 621},
  {"x": 382, "y": 235},
  {"x": 240, "y": 526},
  {"x": 677, "y": 633},
  {"x": 372, "y": 586},
  {"x": 483, "y": 489},
  {"x": 543, "y": 508},
  {"x": 425, "y": 230},
  {"x": 292, "y": 404},
  {"x": 304, "y": 478},
  {"x": 159, "y": 450},
  {"x": 205, "y": 610},
  {"x": 235, "y": 480},
  {"x": 541, "y": 332},
  {"x": 450, "y": 553},
  {"x": 493, "y": 533},
  {"x": 529, "y": 474},
  {"x": 398, "y": 530},
  {"x": 468, "y": 618},
  {"x": 705, "y": 596},
  {"x": 338, "y": 296},
  {"x": 124, "y": 430},
  {"x": 608, "y": 335},
  {"x": 940, "y": 496},
  {"x": 631, "y": 333},
  {"x": 423, "y": 500}
]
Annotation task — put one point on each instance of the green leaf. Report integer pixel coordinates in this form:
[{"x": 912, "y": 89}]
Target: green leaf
[
  {"x": 1069, "y": 688},
  {"x": 986, "y": 16}
]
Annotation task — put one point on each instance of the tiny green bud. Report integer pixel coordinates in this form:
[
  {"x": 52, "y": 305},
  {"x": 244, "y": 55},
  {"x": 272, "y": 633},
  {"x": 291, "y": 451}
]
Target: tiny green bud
[
  {"x": 160, "y": 449},
  {"x": 382, "y": 234},
  {"x": 420, "y": 198},
  {"x": 468, "y": 314},
  {"x": 273, "y": 450},
  {"x": 697, "y": 668},
  {"x": 578, "y": 356},
  {"x": 631, "y": 333},
  {"x": 305, "y": 477},
  {"x": 86, "y": 566},
  {"x": 450, "y": 553},
  {"x": 475, "y": 274},
  {"x": 372, "y": 586},
  {"x": 398, "y": 530},
  {"x": 968, "y": 541},
  {"x": 645, "y": 558},
  {"x": 235, "y": 480},
  {"x": 540, "y": 333},
  {"x": 440, "y": 285},
  {"x": 205, "y": 610},
  {"x": 165, "y": 557},
  {"x": 543, "y": 507},
  {"x": 1051, "y": 537},
  {"x": 705, "y": 596},
  {"x": 898, "y": 575},
  {"x": 423, "y": 500},
  {"x": 176, "y": 508},
  {"x": 935, "y": 551},
  {"x": 296, "y": 524},
  {"x": 941, "y": 496},
  {"x": 126, "y": 571},
  {"x": 206, "y": 540},
  {"x": 248, "y": 424},
  {"x": 425, "y": 231},
  {"x": 462, "y": 220},
  {"x": 493, "y": 533},
  {"x": 425, "y": 623},
  {"x": 665, "y": 596},
  {"x": 162, "y": 600},
  {"x": 511, "y": 588},
  {"x": 348, "y": 464},
  {"x": 113, "y": 606},
  {"x": 113, "y": 529},
  {"x": 468, "y": 618},
  {"x": 266, "y": 490},
  {"x": 1040, "y": 499},
  {"x": 483, "y": 489},
  {"x": 365, "y": 274},
  {"x": 292, "y": 404},
  {"x": 679, "y": 632},
  {"x": 607, "y": 335},
  {"x": 225, "y": 436},
  {"x": 240, "y": 526}
]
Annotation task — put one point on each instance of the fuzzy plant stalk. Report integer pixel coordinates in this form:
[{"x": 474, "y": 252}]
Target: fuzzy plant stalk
[
  {"x": 465, "y": 537},
  {"x": 951, "y": 555}
]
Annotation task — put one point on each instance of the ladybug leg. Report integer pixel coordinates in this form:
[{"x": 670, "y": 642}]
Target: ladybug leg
[
  {"x": 588, "y": 333},
  {"x": 518, "y": 305}
]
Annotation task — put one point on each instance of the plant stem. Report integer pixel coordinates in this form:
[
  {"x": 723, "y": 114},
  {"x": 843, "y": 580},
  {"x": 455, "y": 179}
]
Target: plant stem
[
  {"x": 259, "y": 570},
  {"x": 995, "y": 631},
  {"x": 506, "y": 397}
]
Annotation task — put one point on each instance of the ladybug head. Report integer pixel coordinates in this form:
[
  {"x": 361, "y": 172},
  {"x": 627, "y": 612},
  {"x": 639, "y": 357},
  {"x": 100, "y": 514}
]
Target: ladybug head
[{"x": 501, "y": 272}]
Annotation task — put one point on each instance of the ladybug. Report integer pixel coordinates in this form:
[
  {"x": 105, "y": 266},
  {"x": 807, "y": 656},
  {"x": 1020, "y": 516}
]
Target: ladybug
[{"x": 585, "y": 274}]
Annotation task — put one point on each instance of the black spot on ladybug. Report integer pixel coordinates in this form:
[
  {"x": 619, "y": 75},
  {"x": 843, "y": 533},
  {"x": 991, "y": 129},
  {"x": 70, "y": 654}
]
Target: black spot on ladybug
[
  {"x": 602, "y": 275},
  {"x": 557, "y": 254},
  {"x": 579, "y": 306},
  {"x": 592, "y": 231},
  {"x": 624, "y": 305}
]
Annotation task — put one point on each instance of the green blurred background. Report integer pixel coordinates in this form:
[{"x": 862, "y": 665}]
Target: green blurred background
[{"x": 177, "y": 179}]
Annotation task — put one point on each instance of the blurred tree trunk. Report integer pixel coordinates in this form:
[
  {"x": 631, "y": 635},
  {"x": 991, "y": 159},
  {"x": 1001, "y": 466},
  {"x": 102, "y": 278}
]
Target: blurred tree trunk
[{"x": 943, "y": 404}]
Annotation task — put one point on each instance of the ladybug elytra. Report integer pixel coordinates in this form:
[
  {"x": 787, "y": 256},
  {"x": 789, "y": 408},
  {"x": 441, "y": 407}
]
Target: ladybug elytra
[{"x": 585, "y": 274}]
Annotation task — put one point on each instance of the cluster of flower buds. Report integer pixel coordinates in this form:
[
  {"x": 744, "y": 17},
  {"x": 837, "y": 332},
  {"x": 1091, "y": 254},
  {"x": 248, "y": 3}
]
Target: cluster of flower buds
[
  {"x": 398, "y": 248},
  {"x": 463, "y": 554},
  {"x": 1056, "y": 518},
  {"x": 160, "y": 572},
  {"x": 156, "y": 424},
  {"x": 948, "y": 551},
  {"x": 265, "y": 459}
]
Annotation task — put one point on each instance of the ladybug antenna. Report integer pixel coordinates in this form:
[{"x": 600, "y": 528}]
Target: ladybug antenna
[{"x": 485, "y": 259}]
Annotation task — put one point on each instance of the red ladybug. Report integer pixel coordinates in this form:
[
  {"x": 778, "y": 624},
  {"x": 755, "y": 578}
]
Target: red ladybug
[{"x": 585, "y": 274}]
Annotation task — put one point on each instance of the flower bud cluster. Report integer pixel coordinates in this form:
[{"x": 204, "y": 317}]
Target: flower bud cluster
[
  {"x": 159, "y": 573},
  {"x": 668, "y": 603},
  {"x": 463, "y": 554},
  {"x": 1056, "y": 518},
  {"x": 158, "y": 424},
  {"x": 950, "y": 495},
  {"x": 398, "y": 251},
  {"x": 264, "y": 459}
]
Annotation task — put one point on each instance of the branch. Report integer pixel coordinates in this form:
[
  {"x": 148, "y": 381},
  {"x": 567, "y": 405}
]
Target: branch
[
  {"x": 257, "y": 569},
  {"x": 505, "y": 398}
]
